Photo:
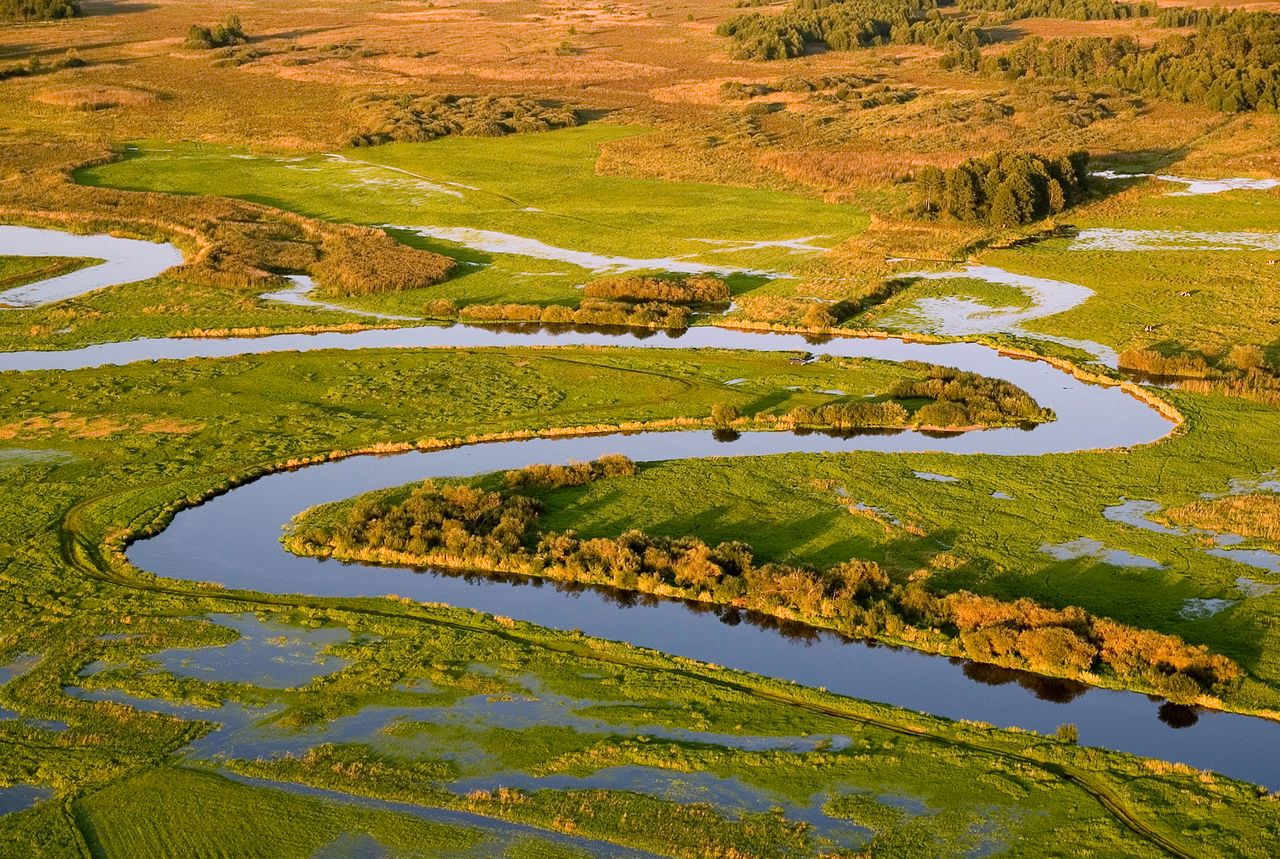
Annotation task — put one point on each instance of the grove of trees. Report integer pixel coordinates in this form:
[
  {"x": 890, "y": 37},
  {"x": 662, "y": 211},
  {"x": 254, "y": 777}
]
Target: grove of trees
[
  {"x": 1004, "y": 189},
  {"x": 1230, "y": 63}
]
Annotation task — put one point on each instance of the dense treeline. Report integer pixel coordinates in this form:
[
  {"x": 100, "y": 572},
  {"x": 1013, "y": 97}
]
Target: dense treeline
[
  {"x": 38, "y": 10},
  {"x": 223, "y": 35},
  {"x": 410, "y": 118},
  {"x": 468, "y": 527},
  {"x": 1231, "y": 63},
  {"x": 844, "y": 25},
  {"x": 1004, "y": 189},
  {"x": 700, "y": 289},
  {"x": 1074, "y": 10}
]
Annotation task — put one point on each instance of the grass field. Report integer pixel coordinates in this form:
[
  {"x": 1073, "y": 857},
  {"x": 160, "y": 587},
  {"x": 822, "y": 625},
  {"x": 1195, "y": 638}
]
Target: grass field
[
  {"x": 16, "y": 271},
  {"x": 153, "y": 424}
]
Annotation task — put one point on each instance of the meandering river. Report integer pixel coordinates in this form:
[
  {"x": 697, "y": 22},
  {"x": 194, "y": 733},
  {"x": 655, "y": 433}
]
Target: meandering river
[{"x": 234, "y": 539}]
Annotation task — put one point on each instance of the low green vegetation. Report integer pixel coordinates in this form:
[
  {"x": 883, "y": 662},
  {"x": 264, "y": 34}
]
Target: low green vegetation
[
  {"x": 542, "y": 187},
  {"x": 16, "y": 271},
  {"x": 184, "y": 812}
]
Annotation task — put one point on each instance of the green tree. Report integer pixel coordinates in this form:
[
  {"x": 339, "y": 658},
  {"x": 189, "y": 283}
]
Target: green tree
[{"x": 1004, "y": 207}]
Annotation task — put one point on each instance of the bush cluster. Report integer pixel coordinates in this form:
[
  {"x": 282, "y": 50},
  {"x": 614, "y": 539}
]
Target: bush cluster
[
  {"x": 223, "y": 35},
  {"x": 954, "y": 399},
  {"x": 698, "y": 289},
  {"x": 409, "y": 118},
  {"x": 1004, "y": 189},
  {"x": 652, "y": 314},
  {"x": 70, "y": 60}
]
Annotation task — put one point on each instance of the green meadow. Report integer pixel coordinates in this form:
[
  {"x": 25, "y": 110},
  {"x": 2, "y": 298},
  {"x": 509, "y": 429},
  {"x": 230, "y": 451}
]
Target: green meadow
[{"x": 542, "y": 187}]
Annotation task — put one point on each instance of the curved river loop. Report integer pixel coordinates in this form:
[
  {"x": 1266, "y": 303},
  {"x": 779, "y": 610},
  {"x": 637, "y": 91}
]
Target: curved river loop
[{"x": 233, "y": 539}]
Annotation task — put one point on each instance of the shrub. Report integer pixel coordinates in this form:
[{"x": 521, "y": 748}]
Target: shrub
[
  {"x": 467, "y": 526},
  {"x": 223, "y": 35},
  {"x": 697, "y": 289},
  {"x": 417, "y": 118}
]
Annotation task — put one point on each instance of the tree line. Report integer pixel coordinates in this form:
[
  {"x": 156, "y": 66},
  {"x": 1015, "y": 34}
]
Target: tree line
[
  {"x": 844, "y": 25},
  {"x": 467, "y": 527},
  {"x": 38, "y": 10},
  {"x": 1005, "y": 189},
  {"x": 1231, "y": 63},
  {"x": 1072, "y": 10}
]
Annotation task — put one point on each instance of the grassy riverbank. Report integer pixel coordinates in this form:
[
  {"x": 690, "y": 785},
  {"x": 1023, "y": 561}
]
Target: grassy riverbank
[{"x": 142, "y": 437}]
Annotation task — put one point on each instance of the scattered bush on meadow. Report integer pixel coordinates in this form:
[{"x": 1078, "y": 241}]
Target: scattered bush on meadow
[
  {"x": 697, "y": 289},
  {"x": 38, "y": 10},
  {"x": 1004, "y": 189},
  {"x": 34, "y": 66},
  {"x": 468, "y": 527},
  {"x": 409, "y": 118},
  {"x": 223, "y": 35}
]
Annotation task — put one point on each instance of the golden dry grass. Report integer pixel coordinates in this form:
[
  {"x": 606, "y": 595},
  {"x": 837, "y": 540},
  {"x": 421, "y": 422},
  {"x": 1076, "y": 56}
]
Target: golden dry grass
[
  {"x": 1254, "y": 516},
  {"x": 96, "y": 97}
]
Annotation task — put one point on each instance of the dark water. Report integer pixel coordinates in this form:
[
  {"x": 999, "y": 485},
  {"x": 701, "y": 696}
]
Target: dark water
[{"x": 234, "y": 540}]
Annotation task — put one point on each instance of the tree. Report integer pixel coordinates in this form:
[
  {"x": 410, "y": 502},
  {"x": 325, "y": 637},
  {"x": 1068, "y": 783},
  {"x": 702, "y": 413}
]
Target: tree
[
  {"x": 223, "y": 35},
  {"x": 723, "y": 414},
  {"x": 961, "y": 200},
  {"x": 933, "y": 185},
  {"x": 1004, "y": 207}
]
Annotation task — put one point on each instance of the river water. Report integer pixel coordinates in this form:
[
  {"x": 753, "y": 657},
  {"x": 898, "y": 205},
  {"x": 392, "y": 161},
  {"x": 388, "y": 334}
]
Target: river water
[{"x": 234, "y": 539}]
